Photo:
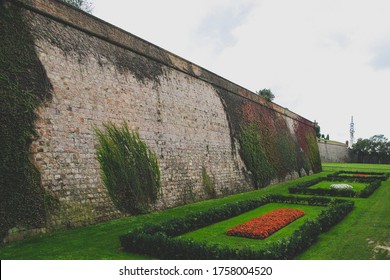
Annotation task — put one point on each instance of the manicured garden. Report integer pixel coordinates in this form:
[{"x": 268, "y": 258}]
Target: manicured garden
[
  {"x": 158, "y": 240},
  {"x": 216, "y": 233},
  {"x": 328, "y": 185},
  {"x": 265, "y": 225},
  {"x": 363, "y": 234}
]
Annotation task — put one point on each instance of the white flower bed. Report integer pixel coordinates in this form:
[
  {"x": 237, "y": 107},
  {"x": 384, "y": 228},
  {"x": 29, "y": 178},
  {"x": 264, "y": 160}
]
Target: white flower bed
[{"x": 341, "y": 187}]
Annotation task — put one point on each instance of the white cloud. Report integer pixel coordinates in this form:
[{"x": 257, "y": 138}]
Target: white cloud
[
  {"x": 381, "y": 59},
  {"x": 216, "y": 27},
  {"x": 325, "y": 60}
]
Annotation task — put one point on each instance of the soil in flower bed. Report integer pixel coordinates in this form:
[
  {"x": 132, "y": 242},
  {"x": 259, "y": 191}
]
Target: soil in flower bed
[{"x": 265, "y": 225}]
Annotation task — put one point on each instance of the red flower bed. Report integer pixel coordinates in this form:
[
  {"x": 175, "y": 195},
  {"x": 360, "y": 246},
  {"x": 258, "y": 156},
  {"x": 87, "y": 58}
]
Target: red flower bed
[
  {"x": 360, "y": 175},
  {"x": 265, "y": 225}
]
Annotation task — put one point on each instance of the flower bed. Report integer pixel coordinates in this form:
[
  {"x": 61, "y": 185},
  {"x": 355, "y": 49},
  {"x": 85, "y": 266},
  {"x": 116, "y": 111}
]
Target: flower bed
[
  {"x": 360, "y": 175},
  {"x": 265, "y": 225},
  {"x": 341, "y": 186},
  {"x": 373, "y": 182},
  {"x": 158, "y": 240}
]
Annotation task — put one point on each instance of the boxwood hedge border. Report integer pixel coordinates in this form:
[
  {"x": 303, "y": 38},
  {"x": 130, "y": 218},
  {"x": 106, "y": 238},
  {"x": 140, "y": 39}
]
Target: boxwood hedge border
[
  {"x": 382, "y": 176},
  {"x": 157, "y": 240},
  {"x": 373, "y": 183}
]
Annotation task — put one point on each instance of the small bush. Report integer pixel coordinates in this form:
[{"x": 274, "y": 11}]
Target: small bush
[{"x": 130, "y": 170}]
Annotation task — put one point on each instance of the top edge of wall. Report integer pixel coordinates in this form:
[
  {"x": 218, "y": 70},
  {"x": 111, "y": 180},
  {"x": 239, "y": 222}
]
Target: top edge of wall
[
  {"x": 71, "y": 16},
  {"x": 331, "y": 142}
]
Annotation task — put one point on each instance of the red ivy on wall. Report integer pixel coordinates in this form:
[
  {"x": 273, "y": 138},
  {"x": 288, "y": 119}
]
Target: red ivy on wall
[
  {"x": 265, "y": 225},
  {"x": 288, "y": 146}
]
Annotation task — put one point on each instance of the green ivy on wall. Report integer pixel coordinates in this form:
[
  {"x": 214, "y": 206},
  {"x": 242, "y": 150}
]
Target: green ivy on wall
[
  {"x": 287, "y": 150},
  {"x": 24, "y": 87},
  {"x": 130, "y": 170},
  {"x": 255, "y": 157},
  {"x": 270, "y": 148},
  {"x": 307, "y": 140},
  {"x": 208, "y": 185},
  {"x": 313, "y": 152}
]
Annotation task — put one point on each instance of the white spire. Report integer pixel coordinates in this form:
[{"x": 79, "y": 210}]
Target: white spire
[{"x": 351, "y": 132}]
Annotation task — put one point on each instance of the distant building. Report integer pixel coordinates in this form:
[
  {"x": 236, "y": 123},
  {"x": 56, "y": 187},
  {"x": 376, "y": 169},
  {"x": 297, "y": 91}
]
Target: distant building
[{"x": 333, "y": 151}]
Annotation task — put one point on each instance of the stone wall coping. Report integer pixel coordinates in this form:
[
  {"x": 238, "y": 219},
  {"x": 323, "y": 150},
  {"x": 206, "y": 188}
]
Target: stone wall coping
[
  {"x": 330, "y": 142},
  {"x": 94, "y": 26}
]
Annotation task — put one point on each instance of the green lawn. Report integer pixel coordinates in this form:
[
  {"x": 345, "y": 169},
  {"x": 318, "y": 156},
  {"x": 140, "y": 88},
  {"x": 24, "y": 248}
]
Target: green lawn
[
  {"x": 365, "y": 232},
  {"x": 360, "y": 233},
  {"x": 356, "y": 237},
  {"x": 326, "y": 185},
  {"x": 359, "y": 167},
  {"x": 354, "y": 175}
]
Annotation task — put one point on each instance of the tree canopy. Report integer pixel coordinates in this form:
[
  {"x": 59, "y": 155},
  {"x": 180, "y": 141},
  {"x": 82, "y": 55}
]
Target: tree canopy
[
  {"x": 267, "y": 94},
  {"x": 81, "y": 4},
  {"x": 378, "y": 146}
]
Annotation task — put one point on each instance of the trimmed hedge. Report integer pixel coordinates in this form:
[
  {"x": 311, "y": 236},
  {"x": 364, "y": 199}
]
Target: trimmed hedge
[
  {"x": 373, "y": 183},
  {"x": 372, "y": 176},
  {"x": 158, "y": 240}
]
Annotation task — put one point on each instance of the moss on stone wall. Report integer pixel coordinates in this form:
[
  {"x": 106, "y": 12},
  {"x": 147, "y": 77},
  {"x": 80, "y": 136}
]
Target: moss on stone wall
[{"x": 24, "y": 87}]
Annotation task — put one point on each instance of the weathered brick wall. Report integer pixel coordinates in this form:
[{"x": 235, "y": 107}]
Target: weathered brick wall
[{"x": 100, "y": 73}]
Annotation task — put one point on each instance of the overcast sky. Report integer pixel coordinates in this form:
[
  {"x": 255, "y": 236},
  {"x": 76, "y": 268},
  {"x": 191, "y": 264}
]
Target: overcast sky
[{"x": 326, "y": 60}]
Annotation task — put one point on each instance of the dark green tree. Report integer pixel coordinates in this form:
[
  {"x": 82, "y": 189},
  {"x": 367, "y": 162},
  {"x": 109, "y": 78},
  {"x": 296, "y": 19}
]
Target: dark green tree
[
  {"x": 361, "y": 147},
  {"x": 317, "y": 129},
  {"x": 378, "y": 146},
  {"x": 267, "y": 94},
  {"x": 81, "y": 4}
]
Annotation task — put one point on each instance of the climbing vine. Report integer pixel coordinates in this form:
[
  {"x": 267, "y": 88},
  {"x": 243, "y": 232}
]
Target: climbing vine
[
  {"x": 255, "y": 157},
  {"x": 309, "y": 150},
  {"x": 283, "y": 146},
  {"x": 208, "y": 184},
  {"x": 24, "y": 87},
  {"x": 130, "y": 170},
  {"x": 287, "y": 151}
]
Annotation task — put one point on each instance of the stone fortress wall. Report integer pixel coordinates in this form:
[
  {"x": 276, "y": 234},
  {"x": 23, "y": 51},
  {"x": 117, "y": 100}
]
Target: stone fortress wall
[
  {"x": 331, "y": 151},
  {"x": 188, "y": 115}
]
